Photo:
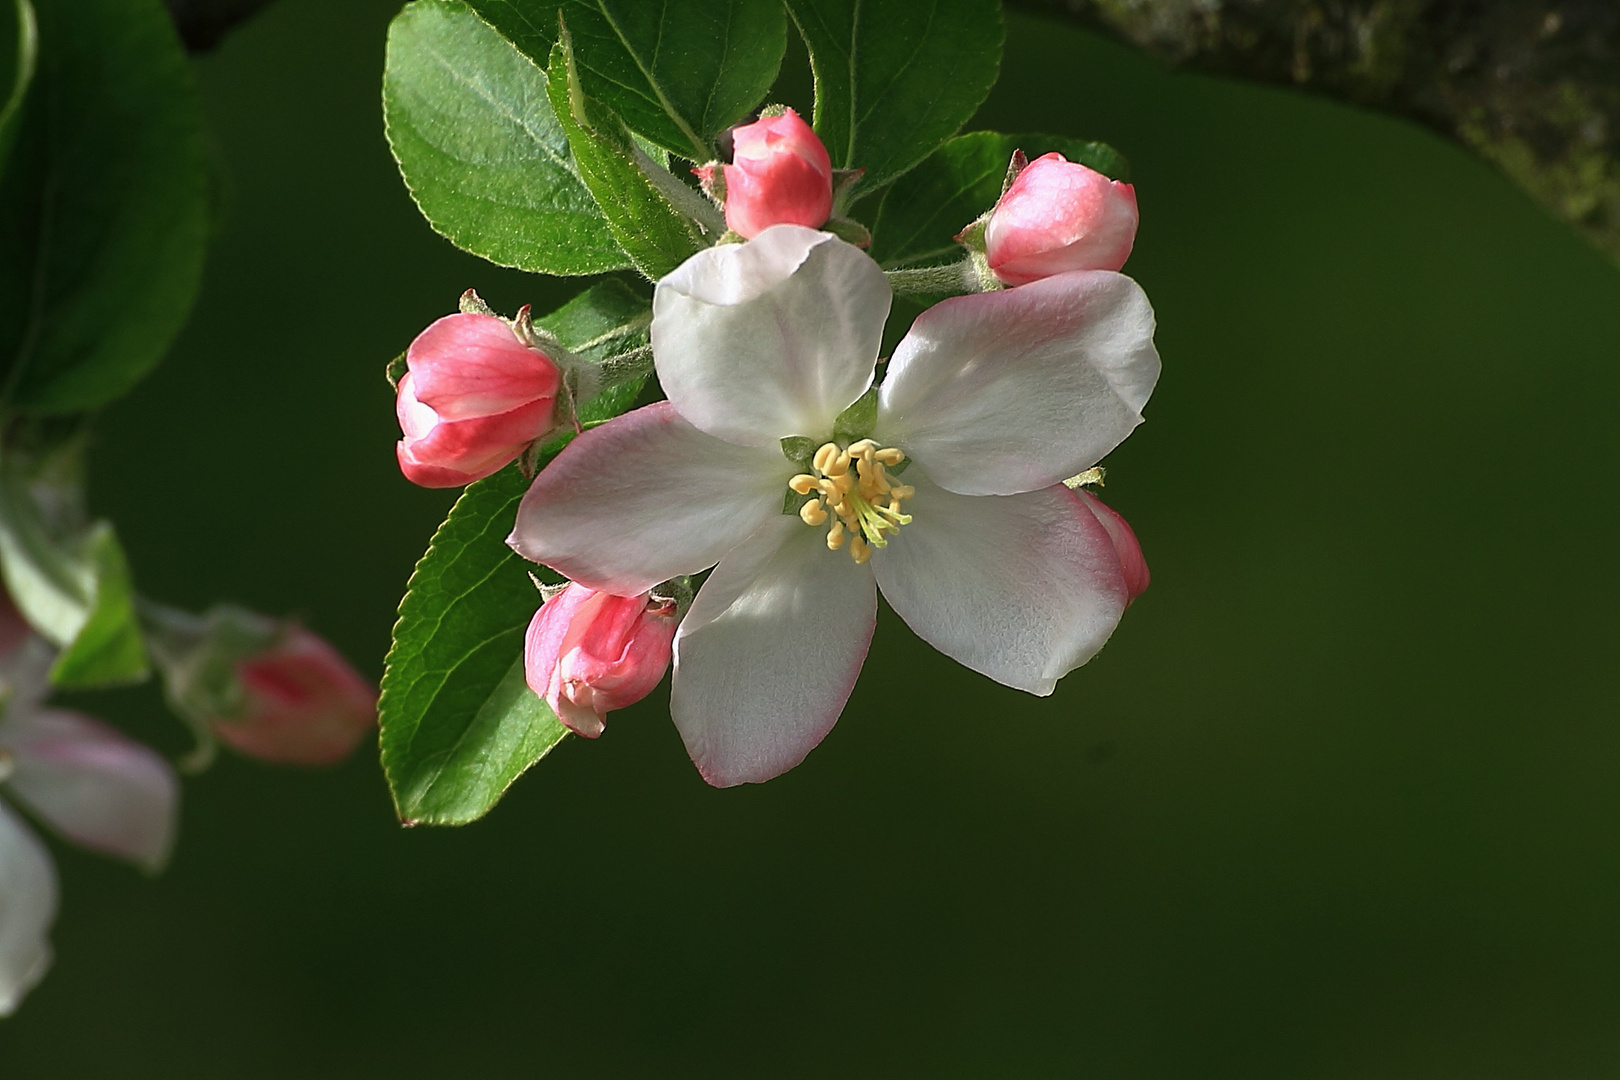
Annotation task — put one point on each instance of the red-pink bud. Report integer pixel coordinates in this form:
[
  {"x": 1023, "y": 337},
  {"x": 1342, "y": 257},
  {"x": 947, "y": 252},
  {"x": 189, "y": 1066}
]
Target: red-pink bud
[
  {"x": 473, "y": 399},
  {"x": 588, "y": 653},
  {"x": 1057, "y": 216},
  {"x": 780, "y": 174},
  {"x": 1131, "y": 560},
  {"x": 304, "y": 704}
]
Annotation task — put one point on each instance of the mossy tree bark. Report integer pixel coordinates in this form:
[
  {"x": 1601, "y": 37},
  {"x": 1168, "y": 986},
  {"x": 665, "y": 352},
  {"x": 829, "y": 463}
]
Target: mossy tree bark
[{"x": 1532, "y": 86}]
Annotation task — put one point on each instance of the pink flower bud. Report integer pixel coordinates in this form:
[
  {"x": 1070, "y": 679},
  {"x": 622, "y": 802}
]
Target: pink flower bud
[
  {"x": 1058, "y": 216},
  {"x": 780, "y": 174},
  {"x": 588, "y": 653},
  {"x": 303, "y": 703},
  {"x": 1126, "y": 546},
  {"x": 473, "y": 399}
]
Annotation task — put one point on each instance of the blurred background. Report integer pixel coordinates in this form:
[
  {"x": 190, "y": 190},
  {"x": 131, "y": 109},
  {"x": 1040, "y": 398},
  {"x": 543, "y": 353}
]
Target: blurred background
[{"x": 1338, "y": 802}]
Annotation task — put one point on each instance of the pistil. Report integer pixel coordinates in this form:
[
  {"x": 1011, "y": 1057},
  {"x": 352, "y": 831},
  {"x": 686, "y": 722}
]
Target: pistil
[{"x": 854, "y": 491}]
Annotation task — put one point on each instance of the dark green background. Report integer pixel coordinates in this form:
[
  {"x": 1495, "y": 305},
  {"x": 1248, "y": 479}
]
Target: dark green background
[{"x": 1339, "y": 801}]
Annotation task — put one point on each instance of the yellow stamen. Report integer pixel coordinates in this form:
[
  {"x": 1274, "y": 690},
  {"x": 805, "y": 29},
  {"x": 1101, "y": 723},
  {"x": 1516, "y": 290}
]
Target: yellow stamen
[{"x": 855, "y": 493}]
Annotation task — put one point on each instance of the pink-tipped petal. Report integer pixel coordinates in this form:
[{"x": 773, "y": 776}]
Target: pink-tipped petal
[
  {"x": 94, "y": 785},
  {"x": 471, "y": 365},
  {"x": 758, "y": 341},
  {"x": 644, "y": 498},
  {"x": 769, "y": 653},
  {"x": 1022, "y": 588},
  {"x": 27, "y": 909},
  {"x": 1012, "y": 391},
  {"x": 1126, "y": 546}
]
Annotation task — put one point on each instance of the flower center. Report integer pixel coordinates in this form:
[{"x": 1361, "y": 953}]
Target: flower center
[{"x": 853, "y": 490}]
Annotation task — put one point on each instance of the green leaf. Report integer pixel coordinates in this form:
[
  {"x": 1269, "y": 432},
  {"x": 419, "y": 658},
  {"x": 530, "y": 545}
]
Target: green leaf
[
  {"x": 895, "y": 78},
  {"x": 104, "y": 208},
  {"x": 928, "y": 206},
  {"x": 22, "y": 77},
  {"x": 677, "y": 71},
  {"x": 657, "y": 220},
  {"x": 482, "y": 153},
  {"x": 605, "y": 320},
  {"x": 458, "y": 722},
  {"x": 72, "y": 585}
]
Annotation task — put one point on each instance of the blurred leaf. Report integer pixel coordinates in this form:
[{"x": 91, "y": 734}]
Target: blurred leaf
[
  {"x": 481, "y": 151},
  {"x": 71, "y": 583},
  {"x": 458, "y": 722},
  {"x": 928, "y": 206},
  {"x": 104, "y": 208},
  {"x": 27, "y": 54},
  {"x": 677, "y": 71},
  {"x": 895, "y": 78},
  {"x": 654, "y": 217}
]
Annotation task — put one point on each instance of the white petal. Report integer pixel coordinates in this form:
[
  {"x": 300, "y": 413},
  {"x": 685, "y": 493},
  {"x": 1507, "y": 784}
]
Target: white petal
[
  {"x": 1022, "y": 588},
  {"x": 768, "y": 655},
  {"x": 27, "y": 909},
  {"x": 94, "y": 785},
  {"x": 775, "y": 337},
  {"x": 646, "y": 497},
  {"x": 1011, "y": 391}
]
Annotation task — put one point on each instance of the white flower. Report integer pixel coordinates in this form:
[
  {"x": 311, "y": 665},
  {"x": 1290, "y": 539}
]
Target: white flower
[
  {"x": 91, "y": 784},
  {"x": 992, "y": 400}
]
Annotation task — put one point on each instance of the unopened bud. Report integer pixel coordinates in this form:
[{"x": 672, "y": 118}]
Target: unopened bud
[
  {"x": 1057, "y": 216},
  {"x": 780, "y": 174},
  {"x": 474, "y": 397},
  {"x": 588, "y": 653}
]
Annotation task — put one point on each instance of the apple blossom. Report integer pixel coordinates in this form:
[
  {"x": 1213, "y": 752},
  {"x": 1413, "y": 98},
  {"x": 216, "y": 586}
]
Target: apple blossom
[
  {"x": 1057, "y": 216},
  {"x": 268, "y": 688},
  {"x": 473, "y": 398},
  {"x": 990, "y": 402},
  {"x": 93, "y": 785},
  {"x": 780, "y": 174},
  {"x": 589, "y": 652}
]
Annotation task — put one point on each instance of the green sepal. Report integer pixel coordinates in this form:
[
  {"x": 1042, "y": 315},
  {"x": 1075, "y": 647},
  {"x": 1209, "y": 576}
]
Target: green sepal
[
  {"x": 857, "y": 421},
  {"x": 800, "y": 450}
]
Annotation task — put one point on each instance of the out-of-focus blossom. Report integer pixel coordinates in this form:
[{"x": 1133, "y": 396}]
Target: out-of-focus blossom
[
  {"x": 94, "y": 786},
  {"x": 473, "y": 398},
  {"x": 589, "y": 652},
  {"x": 302, "y": 703},
  {"x": 1058, "y": 216},
  {"x": 989, "y": 403}
]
